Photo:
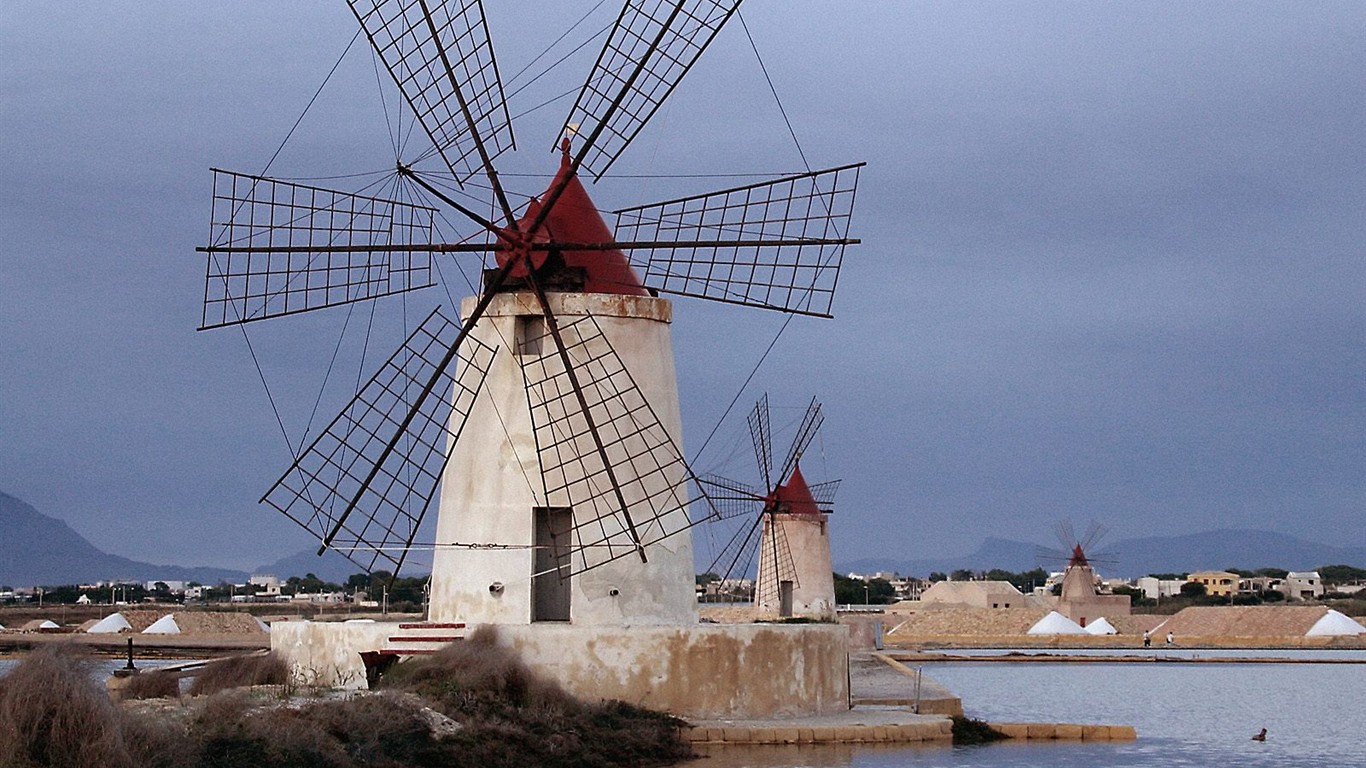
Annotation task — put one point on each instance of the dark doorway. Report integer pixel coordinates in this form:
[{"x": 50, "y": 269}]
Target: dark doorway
[
  {"x": 785, "y": 599},
  {"x": 550, "y": 565}
]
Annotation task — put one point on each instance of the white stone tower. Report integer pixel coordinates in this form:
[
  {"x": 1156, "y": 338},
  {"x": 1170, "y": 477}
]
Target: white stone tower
[
  {"x": 514, "y": 548},
  {"x": 795, "y": 575}
]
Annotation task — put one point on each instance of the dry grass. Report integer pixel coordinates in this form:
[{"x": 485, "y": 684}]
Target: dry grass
[
  {"x": 53, "y": 713},
  {"x": 513, "y": 717},
  {"x": 240, "y": 672},
  {"x": 474, "y": 673}
]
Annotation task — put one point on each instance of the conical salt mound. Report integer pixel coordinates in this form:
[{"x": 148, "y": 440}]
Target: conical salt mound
[
  {"x": 1101, "y": 627},
  {"x": 109, "y": 625},
  {"x": 1333, "y": 624},
  {"x": 1056, "y": 624},
  {"x": 163, "y": 626}
]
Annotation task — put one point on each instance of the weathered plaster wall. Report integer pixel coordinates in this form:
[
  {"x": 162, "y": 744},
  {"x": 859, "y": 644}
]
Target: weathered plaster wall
[
  {"x": 704, "y": 671},
  {"x": 493, "y": 481},
  {"x": 328, "y": 653},
  {"x": 802, "y": 553}
]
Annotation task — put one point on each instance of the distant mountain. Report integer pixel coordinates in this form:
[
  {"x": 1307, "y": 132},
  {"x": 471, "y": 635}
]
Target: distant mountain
[
  {"x": 1210, "y": 550},
  {"x": 37, "y": 550},
  {"x": 330, "y": 567},
  {"x": 994, "y": 553}
]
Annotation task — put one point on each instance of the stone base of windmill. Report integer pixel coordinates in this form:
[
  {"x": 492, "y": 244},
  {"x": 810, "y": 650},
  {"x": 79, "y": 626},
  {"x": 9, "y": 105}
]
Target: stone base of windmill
[{"x": 706, "y": 671}]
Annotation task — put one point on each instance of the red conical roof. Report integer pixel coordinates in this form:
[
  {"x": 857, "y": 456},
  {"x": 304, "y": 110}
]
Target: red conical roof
[
  {"x": 794, "y": 497},
  {"x": 575, "y": 219},
  {"x": 1078, "y": 557}
]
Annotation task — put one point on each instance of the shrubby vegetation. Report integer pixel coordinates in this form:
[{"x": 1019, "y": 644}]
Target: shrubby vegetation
[
  {"x": 473, "y": 704},
  {"x": 851, "y": 591}
]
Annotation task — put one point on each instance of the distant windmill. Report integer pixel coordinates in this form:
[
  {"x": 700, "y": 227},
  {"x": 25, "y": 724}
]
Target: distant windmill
[
  {"x": 547, "y": 411},
  {"x": 1079, "y": 599},
  {"x": 790, "y": 520},
  {"x": 1076, "y": 551}
]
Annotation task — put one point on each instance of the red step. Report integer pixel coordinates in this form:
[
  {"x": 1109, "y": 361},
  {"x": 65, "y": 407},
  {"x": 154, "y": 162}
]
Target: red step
[
  {"x": 424, "y": 639},
  {"x": 424, "y": 625}
]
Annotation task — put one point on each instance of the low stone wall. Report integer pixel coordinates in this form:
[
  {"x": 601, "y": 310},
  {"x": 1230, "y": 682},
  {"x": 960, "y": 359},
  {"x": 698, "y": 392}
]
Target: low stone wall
[
  {"x": 935, "y": 730},
  {"x": 1066, "y": 731},
  {"x": 703, "y": 672}
]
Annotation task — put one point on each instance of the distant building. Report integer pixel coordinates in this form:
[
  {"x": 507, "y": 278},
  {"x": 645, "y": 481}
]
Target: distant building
[
  {"x": 1154, "y": 588},
  {"x": 269, "y": 584},
  {"x": 1259, "y": 584},
  {"x": 174, "y": 586},
  {"x": 1217, "y": 583},
  {"x": 978, "y": 594},
  {"x": 1303, "y": 585},
  {"x": 909, "y": 588}
]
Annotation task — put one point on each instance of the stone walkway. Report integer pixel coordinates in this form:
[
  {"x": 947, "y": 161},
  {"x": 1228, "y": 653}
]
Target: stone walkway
[
  {"x": 884, "y": 694},
  {"x": 876, "y": 679}
]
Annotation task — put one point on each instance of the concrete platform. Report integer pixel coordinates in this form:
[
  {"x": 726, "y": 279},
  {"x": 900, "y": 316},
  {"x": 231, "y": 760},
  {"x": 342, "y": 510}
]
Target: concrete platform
[
  {"x": 699, "y": 671},
  {"x": 876, "y": 679}
]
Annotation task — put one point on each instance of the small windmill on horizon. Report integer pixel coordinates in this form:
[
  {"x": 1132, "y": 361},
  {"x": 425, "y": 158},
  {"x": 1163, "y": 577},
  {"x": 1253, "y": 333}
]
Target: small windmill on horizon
[{"x": 1079, "y": 598}]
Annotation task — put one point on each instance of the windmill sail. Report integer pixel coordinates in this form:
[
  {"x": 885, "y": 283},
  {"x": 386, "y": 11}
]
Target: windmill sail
[
  {"x": 806, "y": 432},
  {"x": 349, "y": 488},
  {"x": 763, "y": 441},
  {"x": 279, "y": 248},
  {"x": 652, "y": 46},
  {"x": 776, "y": 564},
  {"x": 440, "y": 55},
  {"x": 630, "y": 500},
  {"x": 731, "y": 497},
  {"x": 775, "y": 245},
  {"x": 824, "y": 494}
]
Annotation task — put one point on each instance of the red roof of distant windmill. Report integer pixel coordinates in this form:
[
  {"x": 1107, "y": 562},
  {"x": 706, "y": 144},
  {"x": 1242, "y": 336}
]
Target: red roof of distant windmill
[
  {"x": 575, "y": 219},
  {"x": 1078, "y": 557},
  {"x": 794, "y": 497}
]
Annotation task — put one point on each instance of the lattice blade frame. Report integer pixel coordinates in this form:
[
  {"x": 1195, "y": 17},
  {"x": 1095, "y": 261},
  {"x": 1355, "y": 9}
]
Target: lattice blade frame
[
  {"x": 731, "y": 497},
  {"x": 735, "y": 558},
  {"x": 775, "y": 549},
  {"x": 806, "y": 432},
  {"x": 824, "y": 494},
  {"x": 458, "y": 114},
  {"x": 340, "y": 491},
  {"x": 651, "y": 47},
  {"x": 762, "y": 436},
  {"x": 775, "y": 245},
  {"x": 643, "y": 456},
  {"x": 266, "y": 254}
]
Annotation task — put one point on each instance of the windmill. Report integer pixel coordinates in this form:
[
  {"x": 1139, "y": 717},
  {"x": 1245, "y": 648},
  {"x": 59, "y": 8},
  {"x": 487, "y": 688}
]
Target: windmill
[
  {"x": 1078, "y": 598},
  {"x": 545, "y": 412},
  {"x": 789, "y": 517}
]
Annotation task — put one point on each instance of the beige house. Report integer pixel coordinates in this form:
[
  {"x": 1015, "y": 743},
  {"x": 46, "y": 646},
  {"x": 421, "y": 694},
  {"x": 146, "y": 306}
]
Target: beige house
[
  {"x": 1217, "y": 583},
  {"x": 978, "y": 594}
]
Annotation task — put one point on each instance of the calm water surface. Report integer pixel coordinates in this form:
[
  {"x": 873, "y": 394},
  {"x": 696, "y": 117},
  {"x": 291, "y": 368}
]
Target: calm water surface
[{"x": 1186, "y": 715}]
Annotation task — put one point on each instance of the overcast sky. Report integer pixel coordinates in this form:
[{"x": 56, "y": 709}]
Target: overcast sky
[{"x": 1111, "y": 265}]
